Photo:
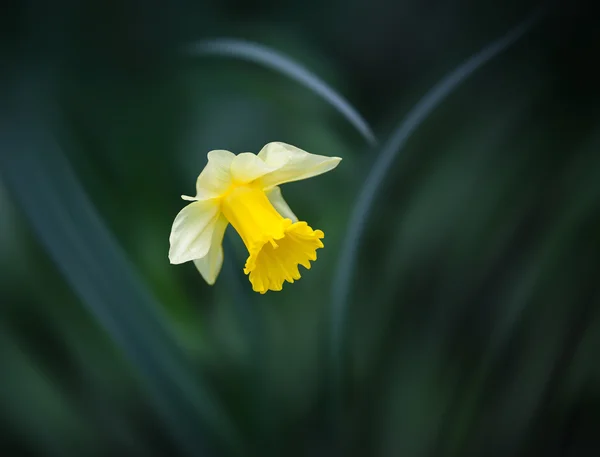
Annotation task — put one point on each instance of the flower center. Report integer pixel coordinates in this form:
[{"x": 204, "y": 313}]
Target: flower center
[{"x": 276, "y": 246}]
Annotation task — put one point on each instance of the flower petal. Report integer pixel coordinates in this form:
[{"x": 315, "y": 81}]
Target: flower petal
[
  {"x": 276, "y": 198},
  {"x": 246, "y": 167},
  {"x": 192, "y": 231},
  {"x": 293, "y": 164},
  {"x": 216, "y": 176},
  {"x": 210, "y": 265}
]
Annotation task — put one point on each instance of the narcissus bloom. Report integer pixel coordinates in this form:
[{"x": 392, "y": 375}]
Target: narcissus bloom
[{"x": 242, "y": 190}]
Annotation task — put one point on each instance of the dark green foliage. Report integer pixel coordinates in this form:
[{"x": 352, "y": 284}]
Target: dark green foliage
[{"x": 459, "y": 316}]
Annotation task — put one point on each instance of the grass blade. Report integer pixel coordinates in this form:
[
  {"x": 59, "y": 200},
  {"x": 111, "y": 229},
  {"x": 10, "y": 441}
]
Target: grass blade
[
  {"x": 39, "y": 177},
  {"x": 270, "y": 58},
  {"x": 363, "y": 204}
]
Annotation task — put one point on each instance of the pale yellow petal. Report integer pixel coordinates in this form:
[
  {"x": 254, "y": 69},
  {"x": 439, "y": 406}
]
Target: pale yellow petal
[
  {"x": 210, "y": 265},
  {"x": 292, "y": 164},
  {"x": 276, "y": 198},
  {"x": 192, "y": 231},
  {"x": 247, "y": 167},
  {"x": 215, "y": 179}
]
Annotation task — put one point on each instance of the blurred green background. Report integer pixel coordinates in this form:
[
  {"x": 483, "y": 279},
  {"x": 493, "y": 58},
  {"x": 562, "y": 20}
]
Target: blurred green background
[{"x": 469, "y": 323}]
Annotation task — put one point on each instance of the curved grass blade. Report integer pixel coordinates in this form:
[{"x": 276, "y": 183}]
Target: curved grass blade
[
  {"x": 270, "y": 58},
  {"x": 364, "y": 202},
  {"x": 67, "y": 225}
]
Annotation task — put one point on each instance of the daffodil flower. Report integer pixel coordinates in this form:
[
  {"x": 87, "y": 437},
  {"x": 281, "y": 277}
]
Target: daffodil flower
[{"x": 242, "y": 190}]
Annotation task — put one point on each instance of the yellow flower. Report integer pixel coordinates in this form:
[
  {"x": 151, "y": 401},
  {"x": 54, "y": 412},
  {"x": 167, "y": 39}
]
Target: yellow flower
[{"x": 242, "y": 190}]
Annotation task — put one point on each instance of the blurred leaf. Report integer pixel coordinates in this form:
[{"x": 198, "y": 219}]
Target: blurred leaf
[
  {"x": 66, "y": 223},
  {"x": 344, "y": 273},
  {"x": 260, "y": 54}
]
